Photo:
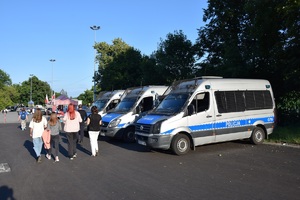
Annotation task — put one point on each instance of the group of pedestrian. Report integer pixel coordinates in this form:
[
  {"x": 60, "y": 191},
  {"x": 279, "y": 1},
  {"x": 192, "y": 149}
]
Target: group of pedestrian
[{"x": 48, "y": 132}]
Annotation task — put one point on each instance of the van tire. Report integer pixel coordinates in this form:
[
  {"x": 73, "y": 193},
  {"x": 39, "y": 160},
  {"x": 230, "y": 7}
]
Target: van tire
[
  {"x": 129, "y": 135},
  {"x": 257, "y": 136},
  {"x": 180, "y": 144}
]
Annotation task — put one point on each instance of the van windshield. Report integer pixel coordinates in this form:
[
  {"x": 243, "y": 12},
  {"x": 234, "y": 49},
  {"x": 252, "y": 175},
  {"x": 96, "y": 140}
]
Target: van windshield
[
  {"x": 100, "y": 103},
  {"x": 173, "y": 103},
  {"x": 125, "y": 105}
]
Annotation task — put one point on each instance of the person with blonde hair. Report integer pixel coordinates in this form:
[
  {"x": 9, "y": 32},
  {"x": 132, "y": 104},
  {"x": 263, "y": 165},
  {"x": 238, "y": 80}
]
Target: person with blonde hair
[
  {"x": 72, "y": 119},
  {"x": 94, "y": 122},
  {"x": 54, "y": 126},
  {"x": 37, "y": 126}
]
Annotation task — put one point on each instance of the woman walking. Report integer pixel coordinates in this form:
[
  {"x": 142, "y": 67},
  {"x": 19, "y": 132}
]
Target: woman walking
[
  {"x": 37, "y": 126},
  {"x": 94, "y": 122},
  {"x": 72, "y": 119},
  {"x": 54, "y": 126}
]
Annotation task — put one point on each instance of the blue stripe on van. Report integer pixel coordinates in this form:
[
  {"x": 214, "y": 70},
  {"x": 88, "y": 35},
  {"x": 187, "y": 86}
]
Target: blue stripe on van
[{"x": 227, "y": 124}]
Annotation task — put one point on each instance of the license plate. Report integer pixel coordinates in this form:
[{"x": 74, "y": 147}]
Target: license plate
[{"x": 142, "y": 142}]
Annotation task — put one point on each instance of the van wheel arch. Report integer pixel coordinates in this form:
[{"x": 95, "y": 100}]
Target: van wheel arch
[
  {"x": 181, "y": 143},
  {"x": 129, "y": 134},
  {"x": 258, "y": 135}
]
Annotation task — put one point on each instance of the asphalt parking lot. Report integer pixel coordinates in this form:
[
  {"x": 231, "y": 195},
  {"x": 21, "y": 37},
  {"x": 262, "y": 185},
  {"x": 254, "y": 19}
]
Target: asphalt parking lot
[{"x": 233, "y": 170}]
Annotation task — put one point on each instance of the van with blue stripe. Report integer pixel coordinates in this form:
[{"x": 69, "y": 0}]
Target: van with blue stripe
[
  {"x": 209, "y": 110},
  {"x": 119, "y": 122}
]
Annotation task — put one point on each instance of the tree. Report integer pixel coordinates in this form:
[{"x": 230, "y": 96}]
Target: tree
[
  {"x": 86, "y": 97},
  {"x": 4, "y": 79},
  {"x": 175, "y": 57},
  {"x": 39, "y": 91}
]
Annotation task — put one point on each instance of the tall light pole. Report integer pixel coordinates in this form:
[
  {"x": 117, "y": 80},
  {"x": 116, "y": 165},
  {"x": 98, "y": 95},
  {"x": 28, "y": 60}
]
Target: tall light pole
[
  {"x": 95, "y": 28},
  {"x": 31, "y": 75},
  {"x": 52, "y": 91}
]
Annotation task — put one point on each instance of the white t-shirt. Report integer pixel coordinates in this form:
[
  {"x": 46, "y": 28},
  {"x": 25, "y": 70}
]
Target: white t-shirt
[{"x": 38, "y": 128}]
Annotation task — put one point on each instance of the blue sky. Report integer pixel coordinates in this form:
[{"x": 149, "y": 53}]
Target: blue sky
[{"x": 34, "y": 31}]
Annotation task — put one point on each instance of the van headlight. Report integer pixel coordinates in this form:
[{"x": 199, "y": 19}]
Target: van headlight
[
  {"x": 156, "y": 127},
  {"x": 114, "y": 123}
]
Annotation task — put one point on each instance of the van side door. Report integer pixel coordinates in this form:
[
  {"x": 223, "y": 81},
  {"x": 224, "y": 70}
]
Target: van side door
[{"x": 230, "y": 115}]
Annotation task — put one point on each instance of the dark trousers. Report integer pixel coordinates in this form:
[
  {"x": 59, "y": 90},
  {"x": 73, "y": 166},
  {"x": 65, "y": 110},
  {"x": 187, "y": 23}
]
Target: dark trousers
[
  {"x": 54, "y": 142},
  {"x": 81, "y": 131},
  {"x": 72, "y": 141}
]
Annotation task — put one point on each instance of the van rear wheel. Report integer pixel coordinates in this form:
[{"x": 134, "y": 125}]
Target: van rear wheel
[
  {"x": 257, "y": 136},
  {"x": 180, "y": 144}
]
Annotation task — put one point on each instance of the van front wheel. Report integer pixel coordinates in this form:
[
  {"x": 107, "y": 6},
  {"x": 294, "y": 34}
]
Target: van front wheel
[
  {"x": 129, "y": 135},
  {"x": 258, "y": 136},
  {"x": 180, "y": 144}
]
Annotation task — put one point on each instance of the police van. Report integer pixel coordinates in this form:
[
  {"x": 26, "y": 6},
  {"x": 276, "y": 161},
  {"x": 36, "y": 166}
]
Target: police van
[
  {"x": 108, "y": 100},
  {"x": 209, "y": 110},
  {"x": 119, "y": 122}
]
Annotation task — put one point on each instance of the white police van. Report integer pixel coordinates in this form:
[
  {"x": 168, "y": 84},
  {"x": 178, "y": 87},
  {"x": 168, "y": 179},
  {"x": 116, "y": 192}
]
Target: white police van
[
  {"x": 119, "y": 123},
  {"x": 208, "y": 110},
  {"x": 108, "y": 100}
]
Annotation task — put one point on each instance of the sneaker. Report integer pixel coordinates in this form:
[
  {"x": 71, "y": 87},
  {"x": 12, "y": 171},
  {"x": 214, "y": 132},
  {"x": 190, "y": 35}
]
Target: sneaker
[
  {"x": 39, "y": 159},
  {"x": 75, "y": 155},
  {"x": 71, "y": 158},
  {"x": 48, "y": 156},
  {"x": 56, "y": 159},
  {"x": 97, "y": 153},
  {"x": 93, "y": 155}
]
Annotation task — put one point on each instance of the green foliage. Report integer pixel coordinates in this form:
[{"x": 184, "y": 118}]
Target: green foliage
[
  {"x": 39, "y": 91},
  {"x": 175, "y": 57},
  {"x": 287, "y": 134},
  {"x": 5, "y": 99},
  {"x": 86, "y": 97},
  {"x": 4, "y": 79}
]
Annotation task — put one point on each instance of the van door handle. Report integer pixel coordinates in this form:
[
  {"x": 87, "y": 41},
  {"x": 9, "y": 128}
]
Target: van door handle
[
  {"x": 219, "y": 115},
  {"x": 208, "y": 116}
]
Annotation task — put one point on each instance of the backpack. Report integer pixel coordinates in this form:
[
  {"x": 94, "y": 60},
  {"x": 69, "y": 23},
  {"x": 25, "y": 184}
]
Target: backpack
[{"x": 23, "y": 115}]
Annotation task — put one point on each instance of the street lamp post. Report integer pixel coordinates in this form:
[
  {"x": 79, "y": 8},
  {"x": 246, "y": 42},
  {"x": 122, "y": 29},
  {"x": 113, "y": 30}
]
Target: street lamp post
[
  {"x": 95, "y": 28},
  {"x": 52, "y": 91},
  {"x": 31, "y": 75}
]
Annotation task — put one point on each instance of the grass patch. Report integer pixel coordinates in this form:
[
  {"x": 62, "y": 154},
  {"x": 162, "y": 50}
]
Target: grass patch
[{"x": 289, "y": 134}]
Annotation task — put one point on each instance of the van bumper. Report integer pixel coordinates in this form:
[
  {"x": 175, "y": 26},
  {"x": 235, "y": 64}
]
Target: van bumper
[
  {"x": 111, "y": 132},
  {"x": 155, "y": 141}
]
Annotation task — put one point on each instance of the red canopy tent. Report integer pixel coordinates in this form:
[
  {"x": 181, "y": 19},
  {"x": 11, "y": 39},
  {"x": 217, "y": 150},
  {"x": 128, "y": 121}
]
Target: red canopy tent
[{"x": 63, "y": 100}]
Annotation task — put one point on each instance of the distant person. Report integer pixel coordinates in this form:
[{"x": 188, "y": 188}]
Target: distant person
[
  {"x": 37, "y": 126},
  {"x": 83, "y": 115},
  {"x": 94, "y": 122},
  {"x": 54, "y": 126},
  {"x": 23, "y": 117},
  {"x": 72, "y": 119}
]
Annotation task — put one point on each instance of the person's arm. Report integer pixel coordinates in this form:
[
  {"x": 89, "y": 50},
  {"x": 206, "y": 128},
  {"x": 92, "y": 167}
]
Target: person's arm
[{"x": 88, "y": 121}]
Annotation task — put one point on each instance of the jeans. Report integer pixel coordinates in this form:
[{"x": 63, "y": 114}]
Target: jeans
[
  {"x": 54, "y": 142},
  {"x": 72, "y": 141},
  {"x": 37, "y": 145},
  {"x": 94, "y": 141},
  {"x": 81, "y": 131}
]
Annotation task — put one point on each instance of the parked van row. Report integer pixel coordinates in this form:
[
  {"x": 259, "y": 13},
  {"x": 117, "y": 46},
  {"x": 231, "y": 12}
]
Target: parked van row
[{"x": 193, "y": 112}]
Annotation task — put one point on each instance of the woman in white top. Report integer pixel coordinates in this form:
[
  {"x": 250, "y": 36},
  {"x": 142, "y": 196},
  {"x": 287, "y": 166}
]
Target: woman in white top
[{"x": 37, "y": 126}]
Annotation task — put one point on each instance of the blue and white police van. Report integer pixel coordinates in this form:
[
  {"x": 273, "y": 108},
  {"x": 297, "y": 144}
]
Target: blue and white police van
[
  {"x": 209, "y": 110},
  {"x": 108, "y": 100},
  {"x": 120, "y": 122}
]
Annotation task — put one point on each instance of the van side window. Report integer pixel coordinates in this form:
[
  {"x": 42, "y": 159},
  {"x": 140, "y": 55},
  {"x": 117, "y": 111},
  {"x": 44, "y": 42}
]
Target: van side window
[
  {"x": 201, "y": 102},
  {"x": 147, "y": 104},
  {"x": 238, "y": 101}
]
